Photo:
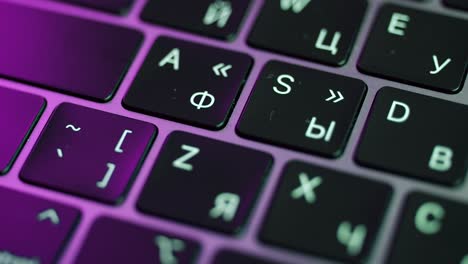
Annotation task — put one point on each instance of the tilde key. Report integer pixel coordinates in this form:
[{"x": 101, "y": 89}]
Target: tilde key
[
  {"x": 189, "y": 82},
  {"x": 88, "y": 152}
]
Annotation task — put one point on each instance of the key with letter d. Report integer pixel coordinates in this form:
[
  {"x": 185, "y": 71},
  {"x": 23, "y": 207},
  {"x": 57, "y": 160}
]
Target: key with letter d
[{"x": 416, "y": 135}]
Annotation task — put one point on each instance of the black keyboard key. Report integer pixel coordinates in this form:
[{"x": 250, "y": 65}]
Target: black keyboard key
[
  {"x": 204, "y": 182},
  {"x": 416, "y": 135},
  {"x": 302, "y": 108},
  {"x": 113, "y": 6},
  {"x": 189, "y": 82},
  {"x": 460, "y": 4},
  {"x": 216, "y": 18},
  {"x": 325, "y": 212},
  {"x": 432, "y": 230},
  {"x": 33, "y": 230},
  {"x": 232, "y": 257},
  {"x": 117, "y": 242},
  {"x": 319, "y": 30},
  {"x": 64, "y": 53},
  {"x": 417, "y": 47}
]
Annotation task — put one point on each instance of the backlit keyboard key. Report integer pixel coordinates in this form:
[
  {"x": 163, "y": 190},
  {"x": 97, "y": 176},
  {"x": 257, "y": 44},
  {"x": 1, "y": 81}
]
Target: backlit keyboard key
[
  {"x": 33, "y": 230},
  {"x": 417, "y": 47},
  {"x": 319, "y": 30},
  {"x": 19, "y": 113},
  {"x": 88, "y": 152},
  {"x": 189, "y": 82},
  {"x": 64, "y": 53},
  {"x": 301, "y": 108},
  {"x": 117, "y": 242},
  {"x": 205, "y": 182},
  {"x": 113, "y": 6},
  {"x": 217, "y": 18},
  {"x": 431, "y": 230},
  {"x": 416, "y": 135},
  {"x": 325, "y": 212}
]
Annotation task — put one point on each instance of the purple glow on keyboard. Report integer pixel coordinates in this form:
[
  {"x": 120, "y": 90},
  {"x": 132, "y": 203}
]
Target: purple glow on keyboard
[{"x": 210, "y": 242}]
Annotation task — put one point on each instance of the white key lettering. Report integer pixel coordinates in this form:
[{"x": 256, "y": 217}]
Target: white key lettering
[
  {"x": 393, "y": 117},
  {"x": 102, "y": 184},
  {"x": 167, "y": 248},
  {"x": 441, "y": 158},
  {"x": 307, "y": 188},
  {"x": 353, "y": 239},
  {"x": 181, "y": 163},
  {"x": 218, "y": 12},
  {"x": 281, "y": 81},
  {"x": 225, "y": 205},
  {"x": 397, "y": 24},
  {"x": 118, "y": 147},
  {"x": 321, "y": 131},
  {"x": 319, "y": 44},
  {"x": 428, "y": 219},
  {"x": 296, "y": 5},
  {"x": 438, "y": 67},
  {"x": 173, "y": 58}
]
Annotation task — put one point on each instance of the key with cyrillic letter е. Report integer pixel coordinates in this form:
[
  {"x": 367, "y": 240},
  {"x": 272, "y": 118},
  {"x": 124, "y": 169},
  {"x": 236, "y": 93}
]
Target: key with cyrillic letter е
[
  {"x": 432, "y": 230},
  {"x": 416, "y": 135},
  {"x": 205, "y": 182},
  {"x": 89, "y": 153},
  {"x": 319, "y": 30},
  {"x": 320, "y": 211},
  {"x": 117, "y": 242},
  {"x": 417, "y": 47}
]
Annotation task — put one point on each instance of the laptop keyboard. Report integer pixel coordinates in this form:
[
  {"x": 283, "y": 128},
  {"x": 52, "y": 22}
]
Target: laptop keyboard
[{"x": 218, "y": 131}]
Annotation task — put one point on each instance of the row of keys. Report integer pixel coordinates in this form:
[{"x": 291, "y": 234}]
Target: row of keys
[
  {"x": 299, "y": 218},
  {"x": 399, "y": 47}
]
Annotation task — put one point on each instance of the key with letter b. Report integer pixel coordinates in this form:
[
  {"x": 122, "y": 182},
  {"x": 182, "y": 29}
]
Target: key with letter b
[{"x": 416, "y": 135}]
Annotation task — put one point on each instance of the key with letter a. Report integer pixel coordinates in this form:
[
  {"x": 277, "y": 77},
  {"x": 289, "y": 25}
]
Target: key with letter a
[
  {"x": 432, "y": 230},
  {"x": 204, "y": 182},
  {"x": 189, "y": 82},
  {"x": 419, "y": 48},
  {"x": 319, "y": 30},
  {"x": 416, "y": 135},
  {"x": 320, "y": 211}
]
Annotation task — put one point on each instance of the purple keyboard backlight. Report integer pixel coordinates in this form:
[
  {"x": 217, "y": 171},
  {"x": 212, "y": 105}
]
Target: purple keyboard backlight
[{"x": 75, "y": 54}]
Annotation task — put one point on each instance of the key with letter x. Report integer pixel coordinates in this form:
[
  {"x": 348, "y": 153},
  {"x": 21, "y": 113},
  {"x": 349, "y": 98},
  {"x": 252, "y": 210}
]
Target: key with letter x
[
  {"x": 89, "y": 153},
  {"x": 325, "y": 212},
  {"x": 204, "y": 182}
]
